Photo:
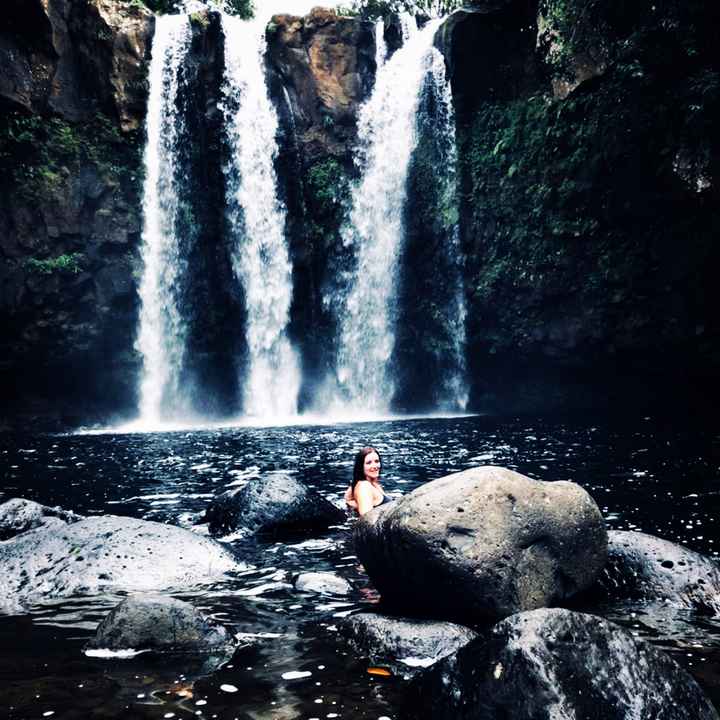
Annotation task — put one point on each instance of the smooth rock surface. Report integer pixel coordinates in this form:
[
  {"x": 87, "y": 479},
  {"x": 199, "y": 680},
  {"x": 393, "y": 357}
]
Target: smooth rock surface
[
  {"x": 18, "y": 515},
  {"x": 646, "y": 567},
  {"x": 276, "y": 504},
  {"x": 104, "y": 554},
  {"x": 553, "y": 664},
  {"x": 159, "y": 623},
  {"x": 322, "y": 583},
  {"x": 404, "y": 643},
  {"x": 483, "y": 544}
]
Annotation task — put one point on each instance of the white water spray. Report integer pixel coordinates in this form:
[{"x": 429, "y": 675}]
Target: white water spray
[
  {"x": 257, "y": 221},
  {"x": 161, "y": 337},
  {"x": 387, "y": 137}
]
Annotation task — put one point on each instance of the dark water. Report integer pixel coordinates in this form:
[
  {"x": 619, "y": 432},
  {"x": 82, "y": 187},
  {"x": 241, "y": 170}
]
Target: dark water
[{"x": 646, "y": 473}]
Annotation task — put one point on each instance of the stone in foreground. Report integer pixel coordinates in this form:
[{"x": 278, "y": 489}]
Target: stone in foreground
[
  {"x": 645, "y": 567},
  {"x": 483, "y": 544},
  {"x": 553, "y": 664},
  {"x": 323, "y": 583},
  {"x": 161, "y": 624},
  {"x": 402, "y": 643},
  {"x": 275, "y": 504},
  {"x": 106, "y": 554}
]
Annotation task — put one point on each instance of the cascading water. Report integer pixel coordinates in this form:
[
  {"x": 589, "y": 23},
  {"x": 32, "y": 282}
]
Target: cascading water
[
  {"x": 162, "y": 329},
  {"x": 452, "y": 393},
  {"x": 256, "y": 219},
  {"x": 387, "y": 137}
]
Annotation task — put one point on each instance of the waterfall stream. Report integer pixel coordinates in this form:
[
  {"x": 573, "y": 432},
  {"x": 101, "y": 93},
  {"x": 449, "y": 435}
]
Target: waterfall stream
[
  {"x": 162, "y": 329},
  {"x": 256, "y": 219},
  {"x": 387, "y": 137}
]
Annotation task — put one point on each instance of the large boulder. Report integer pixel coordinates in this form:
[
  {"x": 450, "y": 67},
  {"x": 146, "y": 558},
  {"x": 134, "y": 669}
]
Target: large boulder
[
  {"x": 18, "y": 515},
  {"x": 106, "y": 554},
  {"x": 161, "y": 624},
  {"x": 403, "y": 643},
  {"x": 645, "y": 567},
  {"x": 483, "y": 544},
  {"x": 274, "y": 504},
  {"x": 561, "y": 665}
]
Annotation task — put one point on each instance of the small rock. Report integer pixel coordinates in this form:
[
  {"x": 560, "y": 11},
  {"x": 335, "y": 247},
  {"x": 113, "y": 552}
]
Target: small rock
[
  {"x": 322, "y": 583},
  {"x": 559, "y": 664},
  {"x": 275, "y": 504},
  {"x": 158, "y": 623},
  {"x": 402, "y": 643},
  {"x": 18, "y": 515},
  {"x": 645, "y": 567}
]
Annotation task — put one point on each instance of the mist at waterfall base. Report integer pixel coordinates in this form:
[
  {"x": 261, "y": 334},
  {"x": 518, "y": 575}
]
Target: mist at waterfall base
[{"x": 646, "y": 473}]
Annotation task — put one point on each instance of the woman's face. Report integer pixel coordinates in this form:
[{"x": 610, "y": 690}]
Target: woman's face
[{"x": 371, "y": 466}]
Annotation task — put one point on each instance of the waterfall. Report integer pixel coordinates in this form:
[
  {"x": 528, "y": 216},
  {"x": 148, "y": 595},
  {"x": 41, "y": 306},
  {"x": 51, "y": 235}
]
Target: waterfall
[
  {"x": 256, "y": 219},
  {"x": 452, "y": 391},
  {"x": 386, "y": 139},
  {"x": 380, "y": 45},
  {"x": 162, "y": 329}
]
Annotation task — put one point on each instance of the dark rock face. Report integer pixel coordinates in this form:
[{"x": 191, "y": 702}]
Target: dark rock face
[
  {"x": 495, "y": 541},
  {"x": 160, "y": 624},
  {"x": 403, "y": 643},
  {"x": 18, "y": 515},
  {"x": 275, "y": 504},
  {"x": 103, "y": 554},
  {"x": 322, "y": 583},
  {"x": 72, "y": 96},
  {"x": 645, "y": 567},
  {"x": 558, "y": 664},
  {"x": 597, "y": 307},
  {"x": 76, "y": 58}
]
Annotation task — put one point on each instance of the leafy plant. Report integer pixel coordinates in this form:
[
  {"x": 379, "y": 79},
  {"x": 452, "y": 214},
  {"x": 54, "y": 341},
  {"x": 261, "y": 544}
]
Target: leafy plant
[{"x": 70, "y": 263}]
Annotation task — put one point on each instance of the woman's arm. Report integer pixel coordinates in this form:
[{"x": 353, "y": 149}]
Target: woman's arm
[
  {"x": 364, "y": 497},
  {"x": 350, "y": 498}
]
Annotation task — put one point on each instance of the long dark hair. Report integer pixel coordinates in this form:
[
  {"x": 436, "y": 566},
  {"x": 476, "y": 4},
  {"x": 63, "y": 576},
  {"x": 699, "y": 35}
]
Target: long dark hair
[{"x": 359, "y": 466}]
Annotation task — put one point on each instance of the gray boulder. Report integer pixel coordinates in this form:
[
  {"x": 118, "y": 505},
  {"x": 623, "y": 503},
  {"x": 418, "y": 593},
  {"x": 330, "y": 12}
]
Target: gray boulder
[
  {"x": 322, "y": 583},
  {"x": 105, "y": 554},
  {"x": 558, "y": 665},
  {"x": 645, "y": 567},
  {"x": 276, "y": 504},
  {"x": 18, "y": 515},
  {"x": 482, "y": 544},
  {"x": 161, "y": 624},
  {"x": 404, "y": 644}
]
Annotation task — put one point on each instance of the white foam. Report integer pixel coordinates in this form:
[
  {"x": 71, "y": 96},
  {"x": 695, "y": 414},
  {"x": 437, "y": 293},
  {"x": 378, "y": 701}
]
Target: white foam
[
  {"x": 296, "y": 674},
  {"x": 107, "y": 654}
]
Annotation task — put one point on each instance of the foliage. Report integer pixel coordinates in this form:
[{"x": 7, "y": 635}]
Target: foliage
[
  {"x": 36, "y": 152},
  {"x": 376, "y": 9},
  {"x": 242, "y": 8},
  {"x": 70, "y": 263}
]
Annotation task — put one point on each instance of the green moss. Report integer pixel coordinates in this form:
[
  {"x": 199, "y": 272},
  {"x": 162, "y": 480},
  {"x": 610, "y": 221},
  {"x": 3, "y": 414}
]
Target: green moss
[
  {"x": 37, "y": 153},
  {"x": 200, "y": 18},
  {"x": 70, "y": 263}
]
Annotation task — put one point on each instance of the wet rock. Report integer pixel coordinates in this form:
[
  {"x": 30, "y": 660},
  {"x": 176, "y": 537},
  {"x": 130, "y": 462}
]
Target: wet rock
[
  {"x": 103, "y": 554},
  {"x": 161, "y": 624},
  {"x": 558, "y": 664},
  {"x": 645, "y": 567},
  {"x": 322, "y": 583},
  {"x": 275, "y": 504},
  {"x": 402, "y": 643},
  {"x": 18, "y": 515},
  {"x": 495, "y": 541}
]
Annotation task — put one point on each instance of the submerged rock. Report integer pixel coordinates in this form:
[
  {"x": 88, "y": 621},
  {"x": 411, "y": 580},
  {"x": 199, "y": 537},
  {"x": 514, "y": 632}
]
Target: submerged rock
[
  {"x": 404, "y": 643},
  {"x": 645, "y": 567},
  {"x": 557, "y": 664},
  {"x": 276, "y": 504},
  {"x": 18, "y": 515},
  {"x": 483, "y": 544},
  {"x": 322, "y": 583},
  {"x": 161, "y": 624},
  {"x": 103, "y": 554}
]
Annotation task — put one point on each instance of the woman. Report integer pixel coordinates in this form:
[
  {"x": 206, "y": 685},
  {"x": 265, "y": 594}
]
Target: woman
[{"x": 365, "y": 493}]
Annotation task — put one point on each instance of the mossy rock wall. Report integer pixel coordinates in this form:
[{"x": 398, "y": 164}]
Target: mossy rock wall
[{"x": 591, "y": 201}]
